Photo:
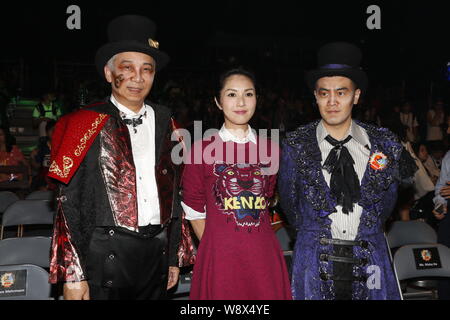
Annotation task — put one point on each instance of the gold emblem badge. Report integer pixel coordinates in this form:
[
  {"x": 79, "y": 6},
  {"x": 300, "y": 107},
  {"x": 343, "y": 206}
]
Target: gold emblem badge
[{"x": 153, "y": 43}]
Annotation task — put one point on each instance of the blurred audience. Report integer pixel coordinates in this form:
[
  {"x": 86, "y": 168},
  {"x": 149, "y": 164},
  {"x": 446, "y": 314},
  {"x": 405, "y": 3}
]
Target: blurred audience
[
  {"x": 47, "y": 109},
  {"x": 409, "y": 120},
  {"x": 40, "y": 160},
  {"x": 436, "y": 119},
  {"x": 10, "y": 155},
  {"x": 280, "y": 105},
  {"x": 432, "y": 169},
  {"x": 4, "y": 100}
]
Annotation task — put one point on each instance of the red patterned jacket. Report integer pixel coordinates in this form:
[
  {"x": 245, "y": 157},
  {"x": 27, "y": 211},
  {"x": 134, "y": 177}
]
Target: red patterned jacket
[{"x": 93, "y": 164}]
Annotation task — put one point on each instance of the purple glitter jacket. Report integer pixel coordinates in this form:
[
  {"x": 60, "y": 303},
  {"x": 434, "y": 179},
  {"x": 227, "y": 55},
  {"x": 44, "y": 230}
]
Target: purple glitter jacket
[{"x": 307, "y": 202}]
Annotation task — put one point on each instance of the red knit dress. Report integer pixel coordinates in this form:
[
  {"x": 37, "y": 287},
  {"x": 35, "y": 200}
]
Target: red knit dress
[{"x": 239, "y": 256}]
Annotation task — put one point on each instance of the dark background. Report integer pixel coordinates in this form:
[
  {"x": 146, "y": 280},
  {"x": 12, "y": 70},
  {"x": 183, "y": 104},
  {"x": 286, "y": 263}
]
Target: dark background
[{"x": 278, "y": 39}]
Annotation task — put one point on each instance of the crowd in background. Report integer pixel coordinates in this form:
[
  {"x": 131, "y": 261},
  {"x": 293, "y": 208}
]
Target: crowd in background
[{"x": 422, "y": 125}]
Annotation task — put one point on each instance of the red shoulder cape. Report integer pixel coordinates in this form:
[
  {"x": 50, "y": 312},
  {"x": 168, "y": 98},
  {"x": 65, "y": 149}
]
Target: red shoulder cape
[{"x": 72, "y": 138}]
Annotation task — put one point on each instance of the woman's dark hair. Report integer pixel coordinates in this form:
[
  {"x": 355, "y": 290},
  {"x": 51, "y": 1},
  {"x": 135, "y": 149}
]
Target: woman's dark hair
[
  {"x": 9, "y": 139},
  {"x": 236, "y": 71},
  {"x": 416, "y": 147}
]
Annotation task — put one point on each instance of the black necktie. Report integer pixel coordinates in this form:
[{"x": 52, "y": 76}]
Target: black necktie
[
  {"x": 344, "y": 182},
  {"x": 134, "y": 121}
]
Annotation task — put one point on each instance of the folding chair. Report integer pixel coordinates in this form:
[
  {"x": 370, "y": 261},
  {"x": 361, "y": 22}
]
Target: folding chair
[
  {"x": 27, "y": 212},
  {"x": 29, "y": 250},
  {"x": 40, "y": 195},
  {"x": 24, "y": 282},
  {"x": 410, "y": 232},
  {"x": 407, "y": 269},
  {"x": 6, "y": 199}
]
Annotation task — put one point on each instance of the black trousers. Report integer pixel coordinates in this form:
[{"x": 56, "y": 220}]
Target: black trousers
[
  {"x": 343, "y": 289},
  {"x": 124, "y": 265}
]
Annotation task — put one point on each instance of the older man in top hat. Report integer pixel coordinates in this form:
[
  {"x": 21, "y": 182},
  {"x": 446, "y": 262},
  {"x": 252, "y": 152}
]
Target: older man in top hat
[
  {"x": 118, "y": 226},
  {"x": 338, "y": 183}
]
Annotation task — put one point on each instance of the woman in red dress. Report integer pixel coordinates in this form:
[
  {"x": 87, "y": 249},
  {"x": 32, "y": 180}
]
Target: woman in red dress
[{"x": 227, "y": 186}]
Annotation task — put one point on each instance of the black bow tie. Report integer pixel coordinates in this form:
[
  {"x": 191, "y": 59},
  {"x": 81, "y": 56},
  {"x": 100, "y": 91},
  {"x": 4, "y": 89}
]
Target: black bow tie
[
  {"x": 344, "y": 183},
  {"x": 135, "y": 121}
]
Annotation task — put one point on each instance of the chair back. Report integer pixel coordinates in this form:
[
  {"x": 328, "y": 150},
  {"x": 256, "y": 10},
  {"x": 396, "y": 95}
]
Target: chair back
[
  {"x": 26, "y": 212},
  {"x": 28, "y": 250},
  {"x": 417, "y": 261},
  {"x": 40, "y": 195},
  {"x": 24, "y": 282},
  {"x": 6, "y": 199},
  {"x": 410, "y": 232}
]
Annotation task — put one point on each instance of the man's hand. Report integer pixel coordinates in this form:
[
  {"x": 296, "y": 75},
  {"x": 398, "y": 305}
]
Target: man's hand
[
  {"x": 76, "y": 291},
  {"x": 438, "y": 215},
  {"x": 174, "y": 273},
  {"x": 445, "y": 191}
]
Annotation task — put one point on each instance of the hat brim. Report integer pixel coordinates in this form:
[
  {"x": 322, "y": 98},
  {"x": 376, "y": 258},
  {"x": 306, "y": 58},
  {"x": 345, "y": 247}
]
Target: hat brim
[
  {"x": 108, "y": 50},
  {"x": 357, "y": 75}
]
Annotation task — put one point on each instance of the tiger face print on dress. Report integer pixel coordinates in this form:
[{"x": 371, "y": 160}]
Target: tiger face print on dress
[{"x": 239, "y": 192}]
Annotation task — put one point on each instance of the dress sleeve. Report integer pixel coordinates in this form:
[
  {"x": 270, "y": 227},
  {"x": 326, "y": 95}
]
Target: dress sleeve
[
  {"x": 191, "y": 214},
  {"x": 193, "y": 187}
]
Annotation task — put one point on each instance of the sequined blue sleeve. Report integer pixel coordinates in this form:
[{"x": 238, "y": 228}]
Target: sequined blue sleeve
[{"x": 287, "y": 185}]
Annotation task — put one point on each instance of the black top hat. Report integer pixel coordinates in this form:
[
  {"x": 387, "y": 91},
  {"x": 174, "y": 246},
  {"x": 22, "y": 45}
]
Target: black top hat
[
  {"x": 338, "y": 59},
  {"x": 130, "y": 33}
]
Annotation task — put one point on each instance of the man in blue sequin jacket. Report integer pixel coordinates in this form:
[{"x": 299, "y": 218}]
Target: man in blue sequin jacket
[{"x": 338, "y": 184}]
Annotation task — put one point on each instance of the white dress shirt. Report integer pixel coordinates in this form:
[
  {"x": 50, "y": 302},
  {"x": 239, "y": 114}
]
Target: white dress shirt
[
  {"x": 226, "y": 136},
  {"x": 143, "y": 148},
  {"x": 343, "y": 226}
]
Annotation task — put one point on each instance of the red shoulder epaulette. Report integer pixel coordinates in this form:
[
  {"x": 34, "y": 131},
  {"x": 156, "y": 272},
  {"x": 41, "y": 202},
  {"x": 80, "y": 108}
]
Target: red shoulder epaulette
[{"x": 72, "y": 138}]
